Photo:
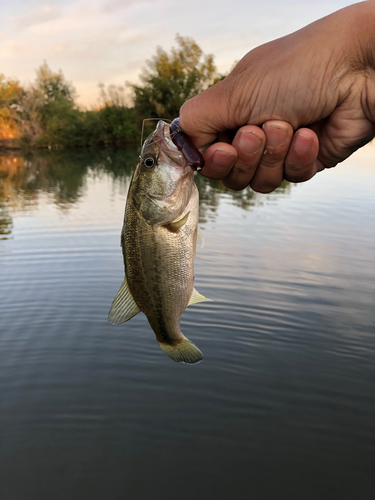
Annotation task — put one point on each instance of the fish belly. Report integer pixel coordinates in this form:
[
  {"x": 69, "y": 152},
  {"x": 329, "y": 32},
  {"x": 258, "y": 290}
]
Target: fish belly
[{"x": 160, "y": 271}]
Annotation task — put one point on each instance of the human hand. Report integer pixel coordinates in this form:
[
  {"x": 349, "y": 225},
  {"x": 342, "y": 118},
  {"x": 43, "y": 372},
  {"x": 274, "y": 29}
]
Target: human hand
[
  {"x": 263, "y": 157},
  {"x": 320, "y": 77}
]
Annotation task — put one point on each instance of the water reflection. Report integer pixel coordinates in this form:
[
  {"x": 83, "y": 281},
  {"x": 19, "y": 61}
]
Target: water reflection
[
  {"x": 63, "y": 175},
  {"x": 6, "y": 222},
  {"x": 94, "y": 412},
  {"x": 60, "y": 173}
]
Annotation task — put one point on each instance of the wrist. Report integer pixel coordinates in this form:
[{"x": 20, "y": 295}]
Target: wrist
[
  {"x": 365, "y": 37},
  {"x": 358, "y": 44},
  {"x": 363, "y": 34}
]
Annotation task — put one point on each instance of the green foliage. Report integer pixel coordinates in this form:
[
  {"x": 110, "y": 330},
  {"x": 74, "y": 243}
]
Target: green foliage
[
  {"x": 118, "y": 122},
  {"x": 68, "y": 127},
  {"x": 60, "y": 118},
  {"x": 170, "y": 79},
  {"x": 45, "y": 114},
  {"x": 62, "y": 124}
]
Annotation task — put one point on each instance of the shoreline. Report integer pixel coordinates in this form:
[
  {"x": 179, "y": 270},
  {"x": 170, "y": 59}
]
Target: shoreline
[{"x": 10, "y": 144}]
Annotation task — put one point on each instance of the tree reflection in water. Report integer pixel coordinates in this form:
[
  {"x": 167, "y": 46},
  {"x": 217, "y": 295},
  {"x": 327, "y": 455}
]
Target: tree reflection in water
[{"x": 63, "y": 175}]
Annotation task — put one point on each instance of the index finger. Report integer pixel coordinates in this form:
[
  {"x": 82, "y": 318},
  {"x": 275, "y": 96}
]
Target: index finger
[{"x": 202, "y": 117}]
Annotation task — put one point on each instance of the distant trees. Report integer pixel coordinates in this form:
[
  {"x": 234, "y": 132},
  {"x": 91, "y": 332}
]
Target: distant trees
[
  {"x": 170, "y": 79},
  {"x": 45, "y": 114},
  {"x": 26, "y": 113},
  {"x": 117, "y": 115},
  {"x": 53, "y": 86}
]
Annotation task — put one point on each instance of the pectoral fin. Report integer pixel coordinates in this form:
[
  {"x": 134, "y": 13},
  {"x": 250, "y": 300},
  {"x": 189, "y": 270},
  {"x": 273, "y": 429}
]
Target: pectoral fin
[
  {"x": 197, "y": 297},
  {"x": 123, "y": 307},
  {"x": 175, "y": 226}
]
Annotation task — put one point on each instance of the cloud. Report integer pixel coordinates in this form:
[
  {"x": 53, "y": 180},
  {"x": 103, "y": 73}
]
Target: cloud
[
  {"x": 39, "y": 15},
  {"x": 14, "y": 48},
  {"x": 116, "y": 5},
  {"x": 110, "y": 40}
]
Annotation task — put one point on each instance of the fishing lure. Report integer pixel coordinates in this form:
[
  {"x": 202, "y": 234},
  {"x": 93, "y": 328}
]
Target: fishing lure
[{"x": 184, "y": 144}]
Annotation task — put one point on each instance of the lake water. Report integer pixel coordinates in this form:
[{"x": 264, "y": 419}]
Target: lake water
[{"x": 283, "y": 405}]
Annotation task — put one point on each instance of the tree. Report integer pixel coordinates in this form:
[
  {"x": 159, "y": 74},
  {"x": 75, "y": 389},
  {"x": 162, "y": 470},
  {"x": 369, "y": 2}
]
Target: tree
[
  {"x": 53, "y": 85},
  {"x": 113, "y": 95},
  {"x": 170, "y": 79},
  {"x": 10, "y": 95},
  {"x": 60, "y": 118}
]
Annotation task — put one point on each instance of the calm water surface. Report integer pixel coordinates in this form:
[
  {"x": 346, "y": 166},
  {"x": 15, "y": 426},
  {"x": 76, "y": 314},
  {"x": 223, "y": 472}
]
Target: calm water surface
[{"x": 283, "y": 405}]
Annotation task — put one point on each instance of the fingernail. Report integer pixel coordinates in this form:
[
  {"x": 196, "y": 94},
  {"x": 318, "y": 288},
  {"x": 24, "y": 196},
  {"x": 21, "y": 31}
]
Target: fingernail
[
  {"x": 276, "y": 137},
  {"x": 302, "y": 144},
  {"x": 223, "y": 159},
  {"x": 249, "y": 143}
]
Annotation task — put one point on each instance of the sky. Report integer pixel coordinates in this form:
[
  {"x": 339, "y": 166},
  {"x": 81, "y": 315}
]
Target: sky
[{"x": 108, "y": 42}]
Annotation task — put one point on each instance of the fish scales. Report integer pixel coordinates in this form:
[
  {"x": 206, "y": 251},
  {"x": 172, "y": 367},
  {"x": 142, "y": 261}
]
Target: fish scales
[
  {"x": 161, "y": 286},
  {"x": 158, "y": 240}
]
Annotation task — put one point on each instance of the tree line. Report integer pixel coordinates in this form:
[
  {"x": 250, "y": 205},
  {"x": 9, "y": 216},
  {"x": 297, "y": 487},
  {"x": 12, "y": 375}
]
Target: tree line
[{"x": 45, "y": 114}]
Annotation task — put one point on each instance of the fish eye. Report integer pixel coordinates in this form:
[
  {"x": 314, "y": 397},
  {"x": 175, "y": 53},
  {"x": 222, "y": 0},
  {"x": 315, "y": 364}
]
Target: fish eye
[{"x": 149, "y": 162}]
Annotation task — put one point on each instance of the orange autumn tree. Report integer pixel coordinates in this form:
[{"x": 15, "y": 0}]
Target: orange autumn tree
[{"x": 10, "y": 96}]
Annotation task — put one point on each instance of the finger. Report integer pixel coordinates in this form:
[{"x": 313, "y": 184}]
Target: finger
[
  {"x": 249, "y": 143},
  {"x": 208, "y": 113},
  {"x": 300, "y": 163},
  {"x": 270, "y": 172},
  {"x": 219, "y": 160}
]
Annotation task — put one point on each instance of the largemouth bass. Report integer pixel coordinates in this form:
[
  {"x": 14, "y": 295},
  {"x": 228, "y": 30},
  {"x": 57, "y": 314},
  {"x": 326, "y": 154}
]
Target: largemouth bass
[{"x": 158, "y": 241}]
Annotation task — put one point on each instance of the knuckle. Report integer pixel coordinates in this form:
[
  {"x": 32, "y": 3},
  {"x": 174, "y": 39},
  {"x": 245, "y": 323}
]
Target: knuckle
[
  {"x": 263, "y": 190},
  {"x": 233, "y": 185},
  {"x": 297, "y": 172},
  {"x": 241, "y": 170},
  {"x": 296, "y": 179},
  {"x": 327, "y": 161},
  {"x": 264, "y": 187},
  {"x": 271, "y": 160}
]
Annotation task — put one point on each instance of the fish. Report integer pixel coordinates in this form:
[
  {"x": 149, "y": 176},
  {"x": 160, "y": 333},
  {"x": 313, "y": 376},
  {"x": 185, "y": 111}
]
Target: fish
[{"x": 158, "y": 241}]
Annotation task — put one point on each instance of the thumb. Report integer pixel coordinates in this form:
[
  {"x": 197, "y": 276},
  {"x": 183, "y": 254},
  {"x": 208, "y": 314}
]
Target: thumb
[{"x": 202, "y": 117}]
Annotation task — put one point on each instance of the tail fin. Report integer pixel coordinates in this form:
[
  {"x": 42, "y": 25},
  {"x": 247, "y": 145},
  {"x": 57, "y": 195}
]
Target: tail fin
[{"x": 184, "y": 352}]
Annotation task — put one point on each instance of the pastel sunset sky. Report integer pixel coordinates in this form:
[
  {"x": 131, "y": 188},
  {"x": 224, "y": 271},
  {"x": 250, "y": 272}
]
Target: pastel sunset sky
[{"x": 98, "y": 41}]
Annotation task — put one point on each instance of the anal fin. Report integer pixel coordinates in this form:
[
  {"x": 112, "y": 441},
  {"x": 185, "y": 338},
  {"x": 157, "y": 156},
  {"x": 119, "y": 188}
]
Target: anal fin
[
  {"x": 200, "y": 237},
  {"x": 197, "y": 297}
]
